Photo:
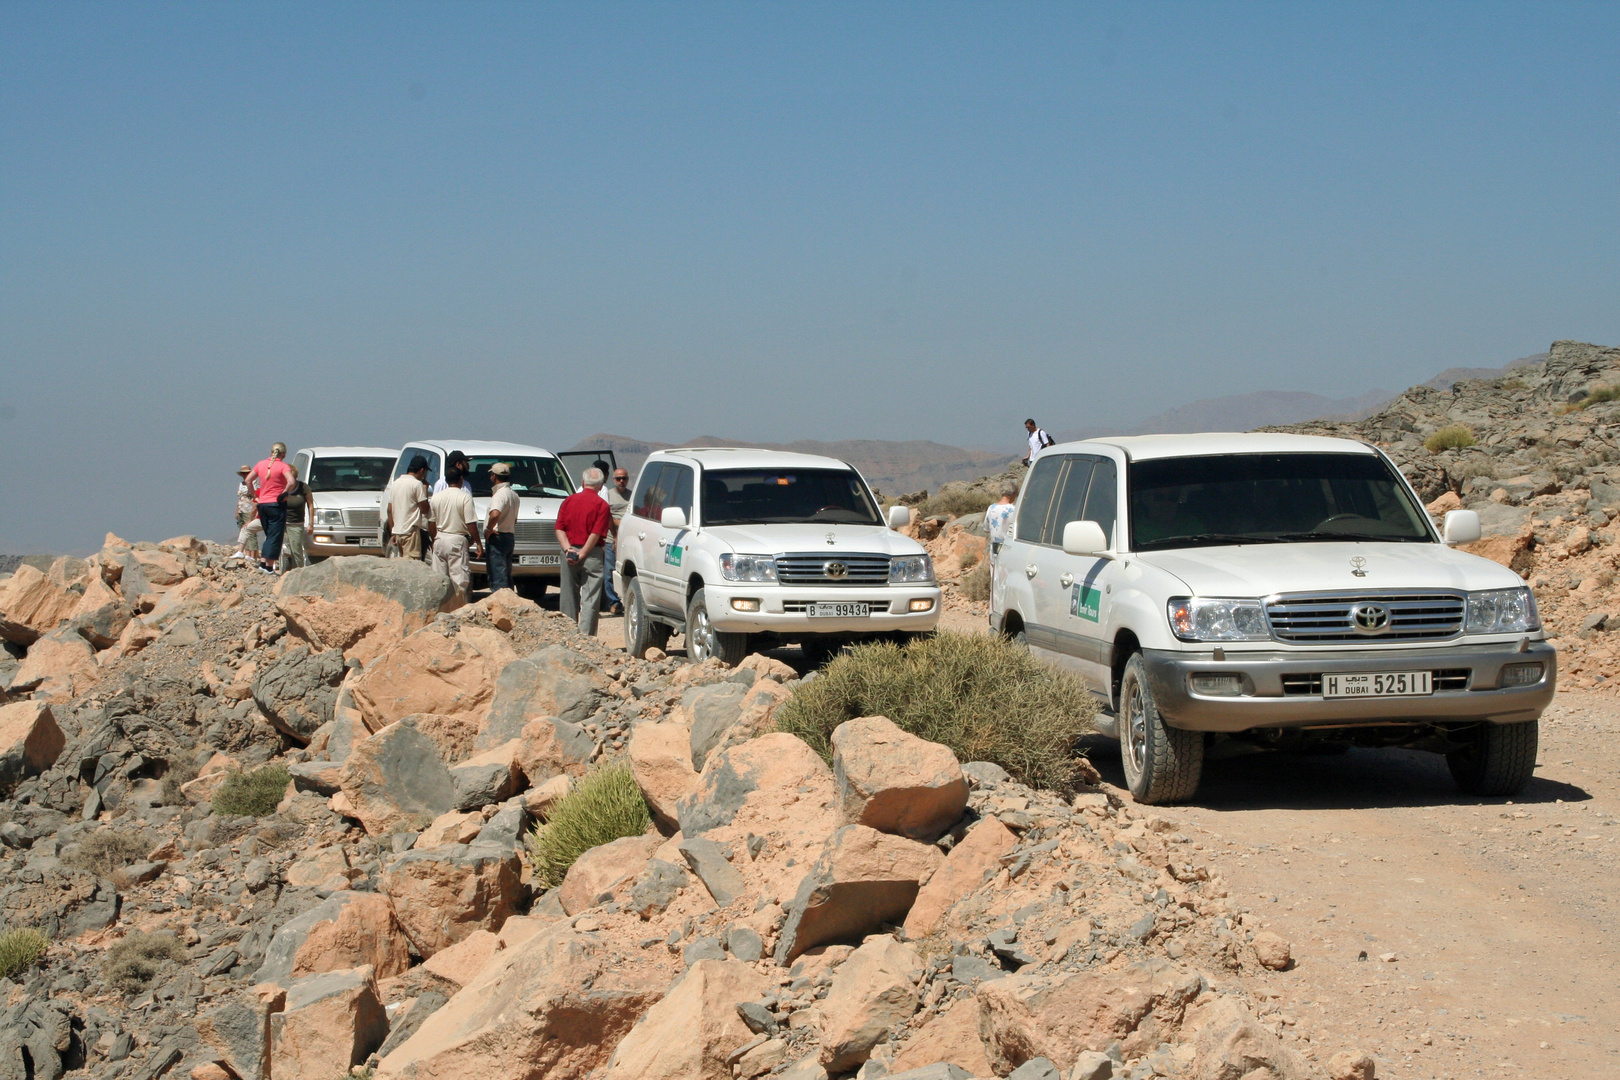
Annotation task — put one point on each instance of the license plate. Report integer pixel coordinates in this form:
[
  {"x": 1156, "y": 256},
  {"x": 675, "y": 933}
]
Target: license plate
[
  {"x": 539, "y": 560},
  {"x": 1379, "y": 684},
  {"x": 840, "y": 611}
]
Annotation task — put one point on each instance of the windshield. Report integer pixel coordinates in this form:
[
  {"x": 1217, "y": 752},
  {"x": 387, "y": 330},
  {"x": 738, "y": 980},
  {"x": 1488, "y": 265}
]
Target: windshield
[
  {"x": 531, "y": 477},
  {"x": 1269, "y": 499},
  {"x": 786, "y": 497},
  {"x": 350, "y": 473}
]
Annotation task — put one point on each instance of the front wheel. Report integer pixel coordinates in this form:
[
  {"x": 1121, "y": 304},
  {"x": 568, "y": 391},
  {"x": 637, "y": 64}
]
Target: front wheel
[
  {"x": 1497, "y": 759},
  {"x": 1162, "y": 763},
  {"x": 704, "y": 641},
  {"x": 640, "y": 632}
]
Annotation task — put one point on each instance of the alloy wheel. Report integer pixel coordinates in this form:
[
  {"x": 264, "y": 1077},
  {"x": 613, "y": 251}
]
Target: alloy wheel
[{"x": 1135, "y": 728}]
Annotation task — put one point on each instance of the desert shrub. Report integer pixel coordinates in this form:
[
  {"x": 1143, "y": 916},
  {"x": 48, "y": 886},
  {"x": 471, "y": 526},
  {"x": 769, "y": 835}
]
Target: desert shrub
[
  {"x": 133, "y": 963},
  {"x": 984, "y": 697},
  {"x": 180, "y": 772},
  {"x": 968, "y": 560},
  {"x": 958, "y": 502},
  {"x": 1450, "y": 437},
  {"x": 20, "y": 950},
  {"x": 107, "y": 850},
  {"x": 1598, "y": 395},
  {"x": 605, "y": 805},
  {"x": 252, "y": 794},
  {"x": 976, "y": 586}
]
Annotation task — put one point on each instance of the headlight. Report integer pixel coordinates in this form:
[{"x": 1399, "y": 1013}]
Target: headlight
[
  {"x": 328, "y": 517},
  {"x": 1196, "y": 619},
  {"x": 911, "y": 570},
  {"x": 748, "y": 567},
  {"x": 1502, "y": 611}
]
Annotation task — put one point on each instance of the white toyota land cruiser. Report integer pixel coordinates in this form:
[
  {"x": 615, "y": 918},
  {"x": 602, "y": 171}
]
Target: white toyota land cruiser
[
  {"x": 738, "y": 548},
  {"x": 1283, "y": 590}
]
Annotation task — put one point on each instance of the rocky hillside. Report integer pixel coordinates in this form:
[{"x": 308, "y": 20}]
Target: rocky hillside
[{"x": 278, "y": 830}]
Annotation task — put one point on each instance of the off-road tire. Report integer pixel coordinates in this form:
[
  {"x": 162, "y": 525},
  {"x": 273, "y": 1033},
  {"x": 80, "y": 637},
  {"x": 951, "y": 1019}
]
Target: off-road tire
[
  {"x": 704, "y": 641},
  {"x": 640, "y": 631},
  {"x": 1162, "y": 763},
  {"x": 1498, "y": 759}
]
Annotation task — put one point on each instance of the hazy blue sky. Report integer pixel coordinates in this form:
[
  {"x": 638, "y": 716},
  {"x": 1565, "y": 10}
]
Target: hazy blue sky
[{"x": 225, "y": 224}]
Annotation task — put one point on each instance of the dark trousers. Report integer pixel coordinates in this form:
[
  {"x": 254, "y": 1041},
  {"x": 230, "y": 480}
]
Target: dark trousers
[
  {"x": 498, "y": 560},
  {"x": 273, "y": 516}
]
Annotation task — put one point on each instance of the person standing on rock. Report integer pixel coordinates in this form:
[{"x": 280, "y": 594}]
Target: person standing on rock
[
  {"x": 268, "y": 482},
  {"x": 504, "y": 505},
  {"x": 407, "y": 511},
  {"x": 1038, "y": 440},
  {"x": 300, "y": 515},
  {"x": 999, "y": 516},
  {"x": 248, "y": 529},
  {"x": 618, "y": 500},
  {"x": 455, "y": 533},
  {"x": 583, "y": 522}
]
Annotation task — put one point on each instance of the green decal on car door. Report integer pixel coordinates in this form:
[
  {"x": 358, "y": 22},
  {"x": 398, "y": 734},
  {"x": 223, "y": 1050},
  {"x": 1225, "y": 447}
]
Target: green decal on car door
[
  {"x": 673, "y": 553},
  {"x": 1085, "y": 602}
]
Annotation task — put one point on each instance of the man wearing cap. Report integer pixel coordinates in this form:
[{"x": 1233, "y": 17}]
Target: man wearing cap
[
  {"x": 268, "y": 481},
  {"x": 618, "y": 500},
  {"x": 248, "y": 528},
  {"x": 407, "y": 512},
  {"x": 455, "y": 473},
  {"x": 498, "y": 530},
  {"x": 455, "y": 533},
  {"x": 583, "y": 521}
]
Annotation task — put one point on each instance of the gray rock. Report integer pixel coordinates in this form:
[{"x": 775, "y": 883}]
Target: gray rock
[
  {"x": 316, "y": 776},
  {"x": 1597, "y": 620},
  {"x": 554, "y": 681},
  {"x": 1501, "y": 519},
  {"x": 744, "y": 943},
  {"x": 284, "y": 945},
  {"x": 480, "y": 785},
  {"x": 757, "y": 1017},
  {"x": 1091, "y": 1065},
  {"x": 985, "y": 774},
  {"x": 406, "y": 1026},
  {"x": 402, "y": 767},
  {"x": 506, "y": 828},
  {"x": 703, "y": 948},
  {"x": 419, "y": 592},
  {"x": 1036, "y": 1069},
  {"x": 183, "y": 632},
  {"x": 708, "y": 861},
  {"x": 657, "y": 887},
  {"x": 940, "y": 1071},
  {"x": 964, "y": 969},
  {"x": 296, "y": 693},
  {"x": 1142, "y": 928},
  {"x": 714, "y": 709}
]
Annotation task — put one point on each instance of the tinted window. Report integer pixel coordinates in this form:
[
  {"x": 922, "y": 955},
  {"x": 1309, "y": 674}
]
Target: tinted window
[
  {"x": 1102, "y": 504},
  {"x": 1071, "y": 500},
  {"x": 1268, "y": 499},
  {"x": 531, "y": 477},
  {"x": 404, "y": 463},
  {"x": 648, "y": 501},
  {"x": 786, "y": 496},
  {"x": 349, "y": 473},
  {"x": 679, "y": 479},
  {"x": 1037, "y": 498}
]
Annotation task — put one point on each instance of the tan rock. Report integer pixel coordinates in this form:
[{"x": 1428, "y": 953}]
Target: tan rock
[
  {"x": 236, "y": 1032},
  {"x": 185, "y": 546},
  {"x": 505, "y": 608},
  {"x": 363, "y": 604},
  {"x": 31, "y": 605},
  {"x": 862, "y": 879},
  {"x": 136, "y": 636},
  {"x": 892, "y": 781},
  {"x": 1517, "y": 553},
  {"x": 441, "y": 896},
  {"x": 951, "y": 1037},
  {"x": 1231, "y": 1045},
  {"x": 1352, "y": 1065},
  {"x": 757, "y": 715},
  {"x": 190, "y": 598},
  {"x": 961, "y": 873},
  {"x": 661, "y": 759},
  {"x": 602, "y": 868},
  {"x": 540, "y": 799},
  {"x": 1027, "y": 1016},
  {"x": 163, "y": 568},
  {"x": 1272, "y": 951},
  {"x": 875, "y": 989},
  {"x": 455, "y": 827},
  {"x": 346, "y": 930},
  {"x": 397, "y": 777},
  {"x": 767, "y": 667},
  {"x": 1445, "y": 503},
  {"x": 61, "y": 663},
  {"x": 688, "y": 1035},
  {"x": 553, "y": 1007},
  {"x": 331, "y": 1023},
  {"x": 549, "y": 747},
  {"x": 210, "y": 1070},
  {"x": 762, "y": 770},
  {"x": 318, "y": 866},
  {"x": 30, "y": 741},
  {"x": 100, "y": 614},
  {"x": 461, "y": 962},
  {"x": 428, "y": 672}
]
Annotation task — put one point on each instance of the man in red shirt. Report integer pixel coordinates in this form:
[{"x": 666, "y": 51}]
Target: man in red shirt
[{"x": 582, "y": 522}]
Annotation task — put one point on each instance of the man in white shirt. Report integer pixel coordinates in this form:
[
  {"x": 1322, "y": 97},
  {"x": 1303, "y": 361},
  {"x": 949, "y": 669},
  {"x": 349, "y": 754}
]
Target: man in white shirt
[
  {"x": 499, "y": 537},
  {"x": 408, "y": 511},
  {"x": 1038, "y": 440},
  {"x": 455, "y": 535},
  {"x": 454, "y": 466}
]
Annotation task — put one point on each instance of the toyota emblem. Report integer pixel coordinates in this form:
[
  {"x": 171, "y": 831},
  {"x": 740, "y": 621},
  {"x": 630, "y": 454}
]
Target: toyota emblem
[
  {"x": 1370, "y": 618},
  {"x": 835, "y": 570}
]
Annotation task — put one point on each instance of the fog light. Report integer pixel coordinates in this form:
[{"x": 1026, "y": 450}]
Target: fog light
[
  {"x": 1218, "y": 685},
  {"x": 323, "y": 539},
  {"x": 738, "y": 604},
  {"x": 925, "y": 604},
  {"x": 1522, "y": 674}
]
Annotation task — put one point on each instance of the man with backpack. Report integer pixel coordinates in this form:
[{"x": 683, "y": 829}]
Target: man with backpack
[{"x": 1038, "y": 440}]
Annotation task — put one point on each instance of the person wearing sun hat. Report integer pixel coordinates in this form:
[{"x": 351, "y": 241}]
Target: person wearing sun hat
[{"x": 248, "y": 528}]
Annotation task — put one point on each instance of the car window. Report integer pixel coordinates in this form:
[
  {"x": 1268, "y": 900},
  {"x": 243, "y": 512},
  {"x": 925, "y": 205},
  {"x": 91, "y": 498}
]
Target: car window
[
  {"x": 348, "y": 473},
  {"x": 648, "y": 501},
  {"x": 531, "y": 477},
  {"x": 410, "y": 452},
  {"x": 1071, "y": 499},
  {"x": 1102, "y": 503},
  {"x": 1037, "y": 499},
  {"x": 786, "y": 497},
  {"x": 678, "y": 479}
]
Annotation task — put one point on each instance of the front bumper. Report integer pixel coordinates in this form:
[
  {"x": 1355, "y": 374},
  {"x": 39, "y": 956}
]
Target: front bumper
[
  {"x": 1263, "y": 703},
  {"x": 890, "y": 609},
  {"x": 330, "y": 541}
]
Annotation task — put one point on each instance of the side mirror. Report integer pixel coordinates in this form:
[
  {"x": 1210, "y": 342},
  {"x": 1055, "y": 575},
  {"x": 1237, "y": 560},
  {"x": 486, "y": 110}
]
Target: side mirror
[
  {"x": 673, "y": 517},
  {"x": 1461, "y": 527},
  {"x": 1084, "y": 538},
  {"x": 899, "y": 517}
]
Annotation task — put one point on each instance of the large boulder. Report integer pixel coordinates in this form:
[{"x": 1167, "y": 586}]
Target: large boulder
[
  {"x": 189, "y": 599},
  {"x": 549, "y": 747},
  {"x": 237, "y": 1032},
  {"x": 490, "y": 777},
  {"x": 1232, "y": 1045},
  {"x": 895, "y": 782},
  {"x": 346, "y": 930},
  {"x": 431, "y": 672},
  {"x": 689, "y": 1034},
  {"x": 553, "y": 682},
  {"x": 952, "y": 1037},
  {"x": 32, "y": 604},
  {"x": 100, "y": 614},
  {"x": 553, "y": 1006},
  {"x": 661, "y": 759},
  {"x": 1059, "y": 1016},
  {"x": 398, "y": 777},
  {"x": 332, "y": 1022},
  {"x": 297, "y": 691},
  {"x": 61, "y": 665},
  {"x": 603, "y": 868},
  {"x": 862, "y": 879},
  {"x": 707, "y": 712},
  {"x": 162, "y": 568},
  {"x": 962, "y": 872},
  {"x": 362, "y": 604},
  {"x": 763, "y": 769},
  {"x": 442, "y": 895},
  {"x": 873, "y": 991},
  {"x": 30, "y": 742}
]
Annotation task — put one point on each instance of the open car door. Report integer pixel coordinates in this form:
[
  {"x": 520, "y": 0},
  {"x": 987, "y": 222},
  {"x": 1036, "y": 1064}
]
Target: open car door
[{"x": 577, "y": 461}]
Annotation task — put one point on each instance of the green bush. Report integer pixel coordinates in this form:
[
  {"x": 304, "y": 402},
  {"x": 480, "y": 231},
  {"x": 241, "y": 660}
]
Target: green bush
[
  {"x": 957, "y": 502},
  {"x": 20, "y": 950},
  {"x": 133, "y": 963},
  {"x": 605, "y": 805},
  {"x": 107, "y": 850},
  {"x": 968, "y": 560},
  {"x": 976, "y": 585},
  {"x": 252, "y": 794},
  {"x": 1450, "y": 437},
  {"x": 984, "y": 697},
  {"x": 1601, "y": 394}
]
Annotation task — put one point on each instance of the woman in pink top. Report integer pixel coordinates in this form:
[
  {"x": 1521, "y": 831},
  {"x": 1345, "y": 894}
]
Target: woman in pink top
[{"x": 268, "y": 482}]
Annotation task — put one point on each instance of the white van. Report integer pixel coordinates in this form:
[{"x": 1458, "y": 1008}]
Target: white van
[
  {"x": 1276, "y": 590},
  {"x": 540, "y": 480},
  {"x": 344, "y": 482}
]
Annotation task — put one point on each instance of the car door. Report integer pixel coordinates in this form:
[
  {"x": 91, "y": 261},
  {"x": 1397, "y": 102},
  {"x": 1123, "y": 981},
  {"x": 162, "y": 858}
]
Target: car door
[
  {"x": 667, "y": 558},
  {"x": 638, "y": 541},
  {"x": 577, "y": 461},
  {"x": 1078, "y": 624},
  {"x": 1013, "y": 581},
  {"x": 1051, "y": 578}
]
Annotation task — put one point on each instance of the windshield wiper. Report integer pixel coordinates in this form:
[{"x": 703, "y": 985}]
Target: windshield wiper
[
  {"x": 1200, "y": 539},
  {"x": 1312, "y": 536}
]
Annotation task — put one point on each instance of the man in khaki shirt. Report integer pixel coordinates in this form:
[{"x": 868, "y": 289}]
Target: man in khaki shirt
[
  {"x": 455, "y": 533},
  {"x": 503, "y": 514},
  {"x": 407, "y": 511}
]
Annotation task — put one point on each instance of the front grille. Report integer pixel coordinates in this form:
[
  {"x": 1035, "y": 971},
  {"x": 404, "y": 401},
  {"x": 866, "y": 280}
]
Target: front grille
[
  {"x": 1309, "y": 683},
  {"x": 1323, "y": 619},
  {"x": 535, "y": 536},
  {"x": 810, "y": 568},
  {"x": 1306, "y": 683},
  {"x": 362, "y": 519},
  {"x": 1452, "y": 678}
]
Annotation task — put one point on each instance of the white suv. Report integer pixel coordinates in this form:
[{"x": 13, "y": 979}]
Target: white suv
[
  {"x": 345, "y": 482},
  {"x": 738, "y": 548},
  {"x": 1282, "y": 590}
]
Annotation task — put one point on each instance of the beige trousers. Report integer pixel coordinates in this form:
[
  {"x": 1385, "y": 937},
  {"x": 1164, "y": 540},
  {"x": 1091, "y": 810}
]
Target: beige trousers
[{"x": 450, "y": 557}]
